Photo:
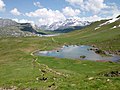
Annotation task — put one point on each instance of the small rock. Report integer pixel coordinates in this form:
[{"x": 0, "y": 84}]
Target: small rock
[
  {"x": 108, "y": 80},
  {"x": 91, "y": 49},
  {"x": 37, "y": 78},
  {"x": 51, "y": 85},
  {"x": 54, "y": 78},
  {"x": 13, "y": 88},
  {"x": 73, "y": 85},
  {"x": 66, "y": 45},
  {"x": 83, "y": 57},
  {"x": 93, "y": 46},
  {"x": 43, "y": 71},
  {"x": 90, "y": 78},
  {"x": 118, "y": 50}
]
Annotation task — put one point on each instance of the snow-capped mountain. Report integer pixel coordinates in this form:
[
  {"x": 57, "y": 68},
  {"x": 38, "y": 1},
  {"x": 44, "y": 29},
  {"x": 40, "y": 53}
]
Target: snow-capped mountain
[{"x": 65, "y": 24}]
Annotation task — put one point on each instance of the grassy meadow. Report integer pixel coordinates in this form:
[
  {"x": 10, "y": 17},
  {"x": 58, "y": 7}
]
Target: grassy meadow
[{"x": 21, "y": 70}]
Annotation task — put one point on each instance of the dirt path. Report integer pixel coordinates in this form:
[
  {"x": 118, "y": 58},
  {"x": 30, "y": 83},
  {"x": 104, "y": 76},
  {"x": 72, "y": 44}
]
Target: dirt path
[{"x": 44, "y": 67}]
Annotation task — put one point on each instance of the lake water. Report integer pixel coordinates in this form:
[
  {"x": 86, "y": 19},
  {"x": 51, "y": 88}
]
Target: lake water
[{"x": 82, "y": 52}]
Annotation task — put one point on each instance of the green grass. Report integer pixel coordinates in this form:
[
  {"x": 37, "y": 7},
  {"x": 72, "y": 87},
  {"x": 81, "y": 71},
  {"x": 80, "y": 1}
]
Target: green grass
[
  {"x": 18, "y": 68},
  {"x": 46, "y": 31}
]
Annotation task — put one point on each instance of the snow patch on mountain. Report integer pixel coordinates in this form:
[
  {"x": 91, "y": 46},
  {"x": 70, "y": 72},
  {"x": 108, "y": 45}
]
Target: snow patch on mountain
[
  {"x": 109, "y": 21},
  {"x": 97, "y": 28},
  {"x": 115, "y": 27},
  {"x": 50, "y": 35},
  {"x": 119, "y": 26}
]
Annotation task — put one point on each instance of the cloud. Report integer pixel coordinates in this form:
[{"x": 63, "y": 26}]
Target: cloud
[
  {"x": 95, "y": 5},
  {"x": 98, "y": 10},
  {"x": 91, "y": 18},
  {"x": 115, "y": 11},
  {"x": 89, "y": 5},
  {"x": 74, "y": 2},
  {"x": 15, "y": 12},
  {"x": 2, "y": 5},
  {"x": 68, "y": 11},
  {"x": 112, "y": 10},
  {"x": 23, "y": 21},
  {"x": 46, "y": 16},
  {"x": 38, "y": 4}
]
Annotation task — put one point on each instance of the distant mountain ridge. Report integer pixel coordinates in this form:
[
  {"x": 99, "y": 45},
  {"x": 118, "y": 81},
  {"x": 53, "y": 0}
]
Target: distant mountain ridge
[{"x": 68, "y": 23}]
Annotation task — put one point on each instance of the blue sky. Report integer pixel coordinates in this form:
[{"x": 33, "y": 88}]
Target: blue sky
[{"x": 49, "y": 11}]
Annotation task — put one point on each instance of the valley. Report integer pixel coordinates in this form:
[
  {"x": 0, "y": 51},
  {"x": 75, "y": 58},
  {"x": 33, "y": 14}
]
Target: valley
[{"x": 19, "y": 69}]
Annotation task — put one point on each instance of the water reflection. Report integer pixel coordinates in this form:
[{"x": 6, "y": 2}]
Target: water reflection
[{"x": 77, "y": 52}]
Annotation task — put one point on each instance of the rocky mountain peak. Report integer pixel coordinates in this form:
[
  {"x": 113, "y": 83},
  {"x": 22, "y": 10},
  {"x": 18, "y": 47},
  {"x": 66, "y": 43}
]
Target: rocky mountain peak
[{"x": 7, "y": 22}]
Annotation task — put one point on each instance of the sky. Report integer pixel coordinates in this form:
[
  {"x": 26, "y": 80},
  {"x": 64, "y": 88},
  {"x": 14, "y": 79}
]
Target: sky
[{"x": 46, "y": 12}]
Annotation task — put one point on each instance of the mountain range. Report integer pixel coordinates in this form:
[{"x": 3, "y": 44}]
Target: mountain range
[
  {"x": 71, "y": 23},
  {"x": 9, "y": 27}
]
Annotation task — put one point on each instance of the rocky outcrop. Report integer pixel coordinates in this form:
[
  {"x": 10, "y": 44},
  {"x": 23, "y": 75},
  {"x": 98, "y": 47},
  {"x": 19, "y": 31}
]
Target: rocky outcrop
[
  {"x": 11, "y": 28},
  {"x": 7, "y": 22}
]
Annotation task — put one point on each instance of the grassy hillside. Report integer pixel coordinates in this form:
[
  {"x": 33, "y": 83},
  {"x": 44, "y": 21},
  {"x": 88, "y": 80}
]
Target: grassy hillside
[
  {"x": 19, "y": 69},
  {"x": 105, "y": 38}
]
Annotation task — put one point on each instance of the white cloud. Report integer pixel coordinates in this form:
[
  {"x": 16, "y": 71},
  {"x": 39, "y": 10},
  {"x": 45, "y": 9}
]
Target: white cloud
[
  {"x": 2, "y": 5},
  {"x": 98, "y": 7},
  {"x": 38, "y": 4},
  {"x": 91, "y": 18},
  {"x": 89, "y": 5},
  {"x": 15, "y": 12},
  {"x": 23, "y": 20},
  {"x": 74, "y": 2},
  {"x": 114, "y": 10},
  {"x": 68, "y": 11},
  {"x": 111, "y": 11},
  {"x": 95, "y": 5},
  {"x": 46, "y": 21},
  {"x": 47, "y": 16}
]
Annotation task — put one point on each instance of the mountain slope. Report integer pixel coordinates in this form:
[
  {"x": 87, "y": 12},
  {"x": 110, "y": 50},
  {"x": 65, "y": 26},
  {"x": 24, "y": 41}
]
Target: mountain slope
[
  {"x": 12, "y": 28},
  {"x": 7, "y": 22},
  {"x": 106, "y": 36}
]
